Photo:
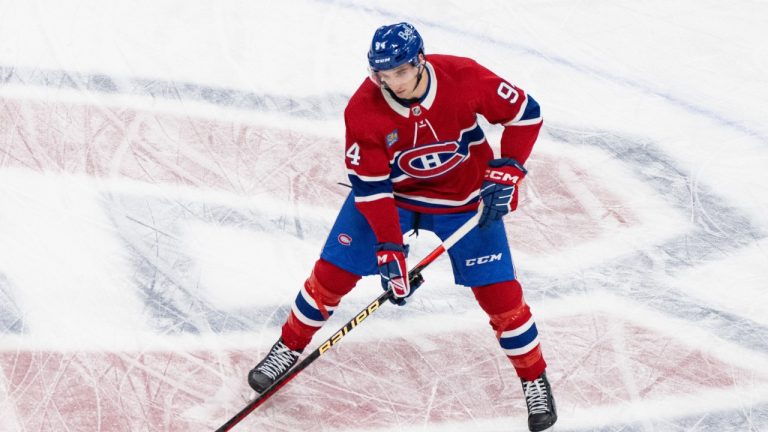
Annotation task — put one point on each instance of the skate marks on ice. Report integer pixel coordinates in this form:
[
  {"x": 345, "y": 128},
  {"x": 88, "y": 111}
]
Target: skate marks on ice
[
  {"x": 11, "y": 318},
  {"x": 117, "y": 391},
  {"x": 173, "y": 185},
  {"x": 166, "y": 184},
  {"x": 178, "y": 248},
  {"x": 112, "y": 139},
  {"x": 717, "y": 230},
  {"x": 318, "y": 107},
  {"x": 654, "y": 370},
  {"x": 167, "y": 229}
]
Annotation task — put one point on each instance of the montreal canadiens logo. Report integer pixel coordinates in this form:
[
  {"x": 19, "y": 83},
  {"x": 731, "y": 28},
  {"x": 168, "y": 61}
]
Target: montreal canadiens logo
[
  {"x": 344, "y": 239},
  {"x": 431, "y": 160}
]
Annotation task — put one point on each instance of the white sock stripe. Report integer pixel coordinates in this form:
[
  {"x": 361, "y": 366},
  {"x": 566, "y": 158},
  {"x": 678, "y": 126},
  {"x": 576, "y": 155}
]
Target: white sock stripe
[
  {"x": 518, "y": 331},
  {"x": 303, "y": 318},
  {"x": 524, "y": 350},
  {"x": 311, "y": 301}
]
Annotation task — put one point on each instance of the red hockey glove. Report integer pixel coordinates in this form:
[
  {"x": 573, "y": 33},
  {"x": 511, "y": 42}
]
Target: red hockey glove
[
  {"x": 390, "y": 258},
  {"x": 499, "y": 190}
]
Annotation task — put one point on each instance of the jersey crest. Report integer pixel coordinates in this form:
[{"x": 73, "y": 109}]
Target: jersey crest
[
  {"x": 430, "y": 160},
  {"x": 433, "y": 160}
]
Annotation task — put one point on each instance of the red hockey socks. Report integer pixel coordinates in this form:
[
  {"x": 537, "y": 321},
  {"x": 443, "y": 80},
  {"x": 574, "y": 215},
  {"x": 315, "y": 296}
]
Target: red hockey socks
[
  {"x": 316, "y": 302},
  {"x": 514, "y": 325}
]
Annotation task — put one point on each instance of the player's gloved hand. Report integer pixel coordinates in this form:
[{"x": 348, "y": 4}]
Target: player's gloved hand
[
  {"x": 390, "y": 258},
  {"x": 499, "y": 190}
]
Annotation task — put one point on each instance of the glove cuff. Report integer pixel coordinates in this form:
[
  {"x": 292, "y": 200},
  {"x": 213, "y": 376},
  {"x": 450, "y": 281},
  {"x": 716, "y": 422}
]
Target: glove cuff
[
  {"x": 501, "y": 162},
  {"x": 391, "y": 247}
]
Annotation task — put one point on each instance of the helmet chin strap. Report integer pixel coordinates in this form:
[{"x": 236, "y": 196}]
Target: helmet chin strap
[
  {"x": 406, "y": 102},
  {"x": 418, "y": 77}
]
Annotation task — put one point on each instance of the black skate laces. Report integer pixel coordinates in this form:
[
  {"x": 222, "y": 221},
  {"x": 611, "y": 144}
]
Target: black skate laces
[
  {"x": 278, "y": 360},
  {"x": 536, "y": 396}
]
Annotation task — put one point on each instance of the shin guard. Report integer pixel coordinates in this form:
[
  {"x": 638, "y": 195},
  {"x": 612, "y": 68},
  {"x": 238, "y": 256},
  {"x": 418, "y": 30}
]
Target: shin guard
[
  {"x": 315, "y": 303},
  {"x": 513, "y": 323}
]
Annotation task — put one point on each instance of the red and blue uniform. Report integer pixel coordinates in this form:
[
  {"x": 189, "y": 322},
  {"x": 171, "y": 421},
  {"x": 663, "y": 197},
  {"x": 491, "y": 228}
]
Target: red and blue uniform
[
  {"x": 420, "y": 164},
  {"x": 431, "y": 157}
]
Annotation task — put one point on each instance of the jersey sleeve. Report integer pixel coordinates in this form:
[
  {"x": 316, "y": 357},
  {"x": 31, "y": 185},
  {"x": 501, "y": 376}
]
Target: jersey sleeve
[
  {"x": 501, "y": 102},
  {"x": 368, "y": 170}
]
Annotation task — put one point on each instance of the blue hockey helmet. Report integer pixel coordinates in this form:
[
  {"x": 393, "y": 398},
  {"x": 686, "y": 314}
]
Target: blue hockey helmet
[{"x": 394, "y": 45}]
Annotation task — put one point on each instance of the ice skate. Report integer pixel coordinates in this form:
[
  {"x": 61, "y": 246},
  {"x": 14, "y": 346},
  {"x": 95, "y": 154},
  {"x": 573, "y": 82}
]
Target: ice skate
[
  {"x": 542, "y": 413},
  {"x": 278, "y": 361}
]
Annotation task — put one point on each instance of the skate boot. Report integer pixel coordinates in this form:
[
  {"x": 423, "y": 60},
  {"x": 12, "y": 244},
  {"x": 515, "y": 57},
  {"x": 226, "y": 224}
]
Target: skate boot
[
  {"x": 541, "y": 405},
  {"x": 278, "y": 361}
]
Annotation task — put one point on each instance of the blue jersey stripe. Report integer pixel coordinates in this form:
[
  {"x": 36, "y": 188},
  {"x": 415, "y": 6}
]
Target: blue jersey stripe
[
  {"x": 364, "y": 188},
  {"x": 532, "y": 110}
]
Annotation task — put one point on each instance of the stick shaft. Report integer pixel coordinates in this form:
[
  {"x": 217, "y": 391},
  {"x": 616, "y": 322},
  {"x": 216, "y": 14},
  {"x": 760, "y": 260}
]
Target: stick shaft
[{"x": 349, "y": 326}]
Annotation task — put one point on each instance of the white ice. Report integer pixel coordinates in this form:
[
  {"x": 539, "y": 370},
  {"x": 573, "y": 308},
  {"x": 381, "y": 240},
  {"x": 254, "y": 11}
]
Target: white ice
[{"x": 168, "y": 175}]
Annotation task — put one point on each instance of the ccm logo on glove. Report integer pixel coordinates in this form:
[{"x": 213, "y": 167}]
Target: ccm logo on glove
[
  {"x": 499, "y": 189},
  {"x": 502, "y": 177}
]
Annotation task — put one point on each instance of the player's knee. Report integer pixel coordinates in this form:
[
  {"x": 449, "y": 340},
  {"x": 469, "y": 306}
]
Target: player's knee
[
  {"x": 503, "y": 302},
  {"x": 499, "y": 297},
  {"x": 329, "y": 283}
]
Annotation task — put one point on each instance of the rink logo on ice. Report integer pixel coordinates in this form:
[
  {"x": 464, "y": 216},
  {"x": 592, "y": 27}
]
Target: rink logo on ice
[
  {"x": 344, "y": 239},
  {"x": 483, "y": 260}
]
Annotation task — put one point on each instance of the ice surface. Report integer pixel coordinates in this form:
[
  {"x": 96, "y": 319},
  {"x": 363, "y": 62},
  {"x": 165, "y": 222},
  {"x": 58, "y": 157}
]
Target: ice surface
[{"x": 168, "y": 173}]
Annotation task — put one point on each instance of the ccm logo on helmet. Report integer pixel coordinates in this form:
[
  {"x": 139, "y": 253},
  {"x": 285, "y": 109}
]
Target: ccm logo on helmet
[
  {"x": 430, "y": 161},
  {"x": 483, "y": 260}
]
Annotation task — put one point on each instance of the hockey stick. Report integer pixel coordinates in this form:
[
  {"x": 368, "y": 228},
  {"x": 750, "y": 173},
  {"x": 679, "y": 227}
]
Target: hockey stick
[{"x": 413, "y": 275}]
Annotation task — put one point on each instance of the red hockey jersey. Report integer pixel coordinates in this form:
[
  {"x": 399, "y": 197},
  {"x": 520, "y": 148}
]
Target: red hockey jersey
[{"x": 431, "y": 157}]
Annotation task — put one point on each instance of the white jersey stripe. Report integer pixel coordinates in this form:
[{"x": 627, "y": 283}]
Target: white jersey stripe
[
  {"x": 528, "y": 122},
  {"x": 374, "y": 197},
  {"x": 520, "y": 113},
  {"x": 367, "y": 178},
  {"x": 401, "y": 178},
  {"x": 446, "y": 202}
]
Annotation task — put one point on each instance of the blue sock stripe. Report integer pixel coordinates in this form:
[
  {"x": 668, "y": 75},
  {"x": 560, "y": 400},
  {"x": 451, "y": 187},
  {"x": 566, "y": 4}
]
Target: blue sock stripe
[
  {"x": 303, "y": 318},
  {"x": 517, "y": 331},
  {"x": 521, "y": 340},
  {"x": 524, "y": 349},
  {"x": 305, "y": 310}
]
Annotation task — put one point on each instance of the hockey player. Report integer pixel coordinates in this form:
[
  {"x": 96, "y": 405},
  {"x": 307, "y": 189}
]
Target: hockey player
[{"x": 417, "y": 159}]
